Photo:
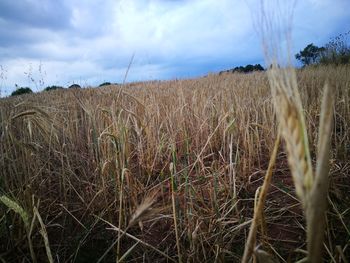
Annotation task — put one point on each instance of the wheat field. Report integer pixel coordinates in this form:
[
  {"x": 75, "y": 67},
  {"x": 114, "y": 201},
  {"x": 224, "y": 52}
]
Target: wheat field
[{"x": 164, "y": 171}]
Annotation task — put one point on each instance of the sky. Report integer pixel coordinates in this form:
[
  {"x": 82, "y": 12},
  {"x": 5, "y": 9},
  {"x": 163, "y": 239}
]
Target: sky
[{"x": 61, "y": 42}]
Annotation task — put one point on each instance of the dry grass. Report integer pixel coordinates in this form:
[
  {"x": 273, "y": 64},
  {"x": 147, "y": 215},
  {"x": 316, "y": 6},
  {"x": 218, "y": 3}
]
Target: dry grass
[{"x": 93, "y": 156}]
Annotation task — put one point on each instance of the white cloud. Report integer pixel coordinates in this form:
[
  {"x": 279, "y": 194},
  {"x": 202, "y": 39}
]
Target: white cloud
[{"x": 195, "y": 28}]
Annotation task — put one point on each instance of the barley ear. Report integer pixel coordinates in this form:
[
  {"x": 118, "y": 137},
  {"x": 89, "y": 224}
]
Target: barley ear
[
  {"x": 291, "y": 118},
  {"x": 143, "y": 210},
  {"x": 25, "y": 218},
  {"x": 17, "y": 208}
]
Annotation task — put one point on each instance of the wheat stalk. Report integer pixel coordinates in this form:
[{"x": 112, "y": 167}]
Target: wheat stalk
[
  {"x": 141, "y": 212},
  {"x": 312, "y": 189},
  {"x": 44, "y": 234},
  {"x": 258, "y": 211}
]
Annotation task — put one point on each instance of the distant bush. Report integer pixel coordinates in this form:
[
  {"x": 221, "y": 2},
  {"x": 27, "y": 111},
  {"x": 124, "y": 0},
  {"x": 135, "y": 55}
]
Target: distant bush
[
  {"x": 246, "y": 69},
  {"x": 74, "y": 86},
  {"x": 52, "y": 88},
  {"x": 249, "y": 68},
  {"x": 21, "y": 91},
  {"x": 105, "y": 84}
]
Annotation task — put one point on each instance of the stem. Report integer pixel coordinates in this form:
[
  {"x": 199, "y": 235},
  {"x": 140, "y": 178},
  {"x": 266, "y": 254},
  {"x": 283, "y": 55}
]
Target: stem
[{"x": 249, "y": 248}]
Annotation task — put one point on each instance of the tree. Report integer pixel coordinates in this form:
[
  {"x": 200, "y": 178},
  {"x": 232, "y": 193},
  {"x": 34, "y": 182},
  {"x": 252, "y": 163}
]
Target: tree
[
  {"x": 337, "y": 51},
  {"x": 310, "y": 55},
  {"x": 21, "y": 91}
]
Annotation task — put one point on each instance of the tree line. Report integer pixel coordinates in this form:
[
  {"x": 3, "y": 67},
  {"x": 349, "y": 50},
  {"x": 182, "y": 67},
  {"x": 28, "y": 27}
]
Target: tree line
[
  {"x": 27, "y": 90},
  {"x": 245, "y": 69}
]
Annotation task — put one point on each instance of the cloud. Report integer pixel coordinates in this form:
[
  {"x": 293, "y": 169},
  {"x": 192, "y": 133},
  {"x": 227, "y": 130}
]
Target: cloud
[
  {"x": 93, "y": 41},
  {"x": 36, "y": 13},
  {"x": 318, "y": 21},
  {"x": 192, "y": 29}
]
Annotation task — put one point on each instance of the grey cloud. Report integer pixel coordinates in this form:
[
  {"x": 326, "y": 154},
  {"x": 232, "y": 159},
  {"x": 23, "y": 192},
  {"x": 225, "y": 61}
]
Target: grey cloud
[
  {"x": 36, "y": 13},
  {"x": 11, "y": 35},
  {"x": 26, "y": 24}
]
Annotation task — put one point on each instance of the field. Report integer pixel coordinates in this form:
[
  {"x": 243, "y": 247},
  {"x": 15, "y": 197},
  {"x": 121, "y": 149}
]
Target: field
[{"x": 163, "y": 171}]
